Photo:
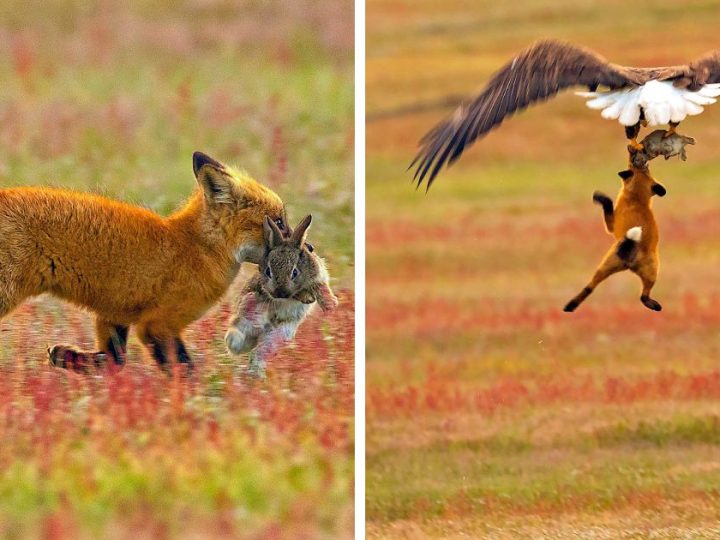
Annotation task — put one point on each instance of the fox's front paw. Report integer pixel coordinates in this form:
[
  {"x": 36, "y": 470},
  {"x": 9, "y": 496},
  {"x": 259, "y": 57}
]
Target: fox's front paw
[
  {"x": 69, "y": 357},
  {"x": 236, "y": 341}
]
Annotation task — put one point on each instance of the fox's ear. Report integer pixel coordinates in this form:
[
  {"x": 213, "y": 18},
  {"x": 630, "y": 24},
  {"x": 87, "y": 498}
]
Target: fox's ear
[
  {"x": 658, "y": 189},
  {"x": 271, "y": 233},
  {"x": 200, "y": 160},
  {"x": 217, "y": 185},
  {"x": 625, "y": 175},
  {"x": 300, "y": 232}
]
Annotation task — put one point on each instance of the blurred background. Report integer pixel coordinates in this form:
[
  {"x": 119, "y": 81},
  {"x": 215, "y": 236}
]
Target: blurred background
[
  {"x": 114, "y": 97},
  {"x": 490, "y": 412},
  {"x": 104, "y": 96}
]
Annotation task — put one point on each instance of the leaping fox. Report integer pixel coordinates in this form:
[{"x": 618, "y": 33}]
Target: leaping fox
[
  {"x": 129, "y": 265},
  {"x": 633, "y": 224}
]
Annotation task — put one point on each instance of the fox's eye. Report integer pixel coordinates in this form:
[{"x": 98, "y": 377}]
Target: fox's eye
[
  {"x": 280, "y": 224},
  {"x": 309, "y": 247},
  {"x": 268, "y": 272},
  {"x": 295, "y": 273}
]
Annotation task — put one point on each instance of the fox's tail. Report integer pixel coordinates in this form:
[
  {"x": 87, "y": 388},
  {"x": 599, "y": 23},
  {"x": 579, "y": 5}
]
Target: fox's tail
[
  {"x": 627, "y": 248},
  {"x": 607, "y": 206}
]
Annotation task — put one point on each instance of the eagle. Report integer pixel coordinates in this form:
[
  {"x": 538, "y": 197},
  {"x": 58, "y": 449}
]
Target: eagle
[{"x": 634, "y": 96}]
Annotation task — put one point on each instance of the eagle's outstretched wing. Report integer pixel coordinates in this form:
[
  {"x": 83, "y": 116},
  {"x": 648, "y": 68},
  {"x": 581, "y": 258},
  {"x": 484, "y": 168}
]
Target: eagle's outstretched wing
[
  {"x": 536, "y": 74},
  {"x": 706, "y": 69}
]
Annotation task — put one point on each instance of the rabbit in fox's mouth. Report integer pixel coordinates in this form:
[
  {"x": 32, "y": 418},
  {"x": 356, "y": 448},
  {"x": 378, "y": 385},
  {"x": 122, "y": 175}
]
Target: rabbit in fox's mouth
[{"x": 277, "y": 299}]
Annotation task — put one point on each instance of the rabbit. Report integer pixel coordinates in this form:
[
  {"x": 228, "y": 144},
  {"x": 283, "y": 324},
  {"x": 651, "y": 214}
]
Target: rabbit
[
  {"x": 659, "y": 143},
  {"x": 274, "y": 302}
]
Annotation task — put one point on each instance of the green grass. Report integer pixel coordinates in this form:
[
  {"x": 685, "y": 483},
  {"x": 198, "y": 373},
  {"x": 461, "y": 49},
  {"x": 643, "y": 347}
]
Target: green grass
[
  {"x": 695, "y": 430},
  {"x": 518, "y": 470}
]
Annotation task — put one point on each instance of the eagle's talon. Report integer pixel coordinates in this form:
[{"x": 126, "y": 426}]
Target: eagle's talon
[
  {"x": 670, "y": 131},
  {"x": 635, "y": 146}
]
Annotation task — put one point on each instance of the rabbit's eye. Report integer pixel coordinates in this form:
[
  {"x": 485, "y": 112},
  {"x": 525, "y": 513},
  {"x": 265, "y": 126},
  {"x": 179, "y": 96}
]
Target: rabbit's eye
[
  {"x": 295, "y": 273},
  {"x": 268, "y": 272},
  {"x": 309, "y": 247},
  {"x": 280, "y": 224}
]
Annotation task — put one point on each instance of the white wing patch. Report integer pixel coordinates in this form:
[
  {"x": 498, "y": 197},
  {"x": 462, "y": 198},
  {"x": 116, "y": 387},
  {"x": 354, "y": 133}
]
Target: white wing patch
[{"x": 660, "y": 100}]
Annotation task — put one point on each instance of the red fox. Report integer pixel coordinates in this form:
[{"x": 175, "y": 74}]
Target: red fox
[
  {"x": 129, "y": 265},
  {"x": 636, "y": 235}
]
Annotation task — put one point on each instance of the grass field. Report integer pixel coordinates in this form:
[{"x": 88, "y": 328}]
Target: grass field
[
  {"x": 105, "y": 97},
  {"x": 490, "y": 412}
]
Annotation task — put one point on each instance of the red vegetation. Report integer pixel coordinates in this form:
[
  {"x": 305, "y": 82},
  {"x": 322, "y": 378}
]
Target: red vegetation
[
  {"x": 494, "y": 316},
  {"x": 308, "y": 399},
  {"x": 441, "y": 394},
  {"x": 318, "y": 371},
  {"x": 391, "y": 234}
]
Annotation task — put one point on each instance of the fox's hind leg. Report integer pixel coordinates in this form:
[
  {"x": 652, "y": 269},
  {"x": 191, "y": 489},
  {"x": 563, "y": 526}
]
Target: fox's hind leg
[
  {"x": 111, "y": 344},
  {"x": 647, "y": 270},
  {"x": 609, "y": 266}
]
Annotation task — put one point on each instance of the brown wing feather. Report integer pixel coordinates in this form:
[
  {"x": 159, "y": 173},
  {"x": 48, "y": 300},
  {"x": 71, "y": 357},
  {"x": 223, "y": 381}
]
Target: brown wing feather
[
  {"x": 706, "y": 69},
  {"x": 536, "y": 74}
]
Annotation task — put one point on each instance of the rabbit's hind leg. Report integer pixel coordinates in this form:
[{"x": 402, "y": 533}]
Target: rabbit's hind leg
[{"x": 240, "y": 339}]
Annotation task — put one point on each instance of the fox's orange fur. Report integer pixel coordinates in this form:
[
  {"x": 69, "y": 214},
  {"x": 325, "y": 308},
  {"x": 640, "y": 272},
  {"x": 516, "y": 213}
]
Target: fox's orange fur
[
  {"x": 631, "y": 217},
  {"x": 129, "y": 265}
]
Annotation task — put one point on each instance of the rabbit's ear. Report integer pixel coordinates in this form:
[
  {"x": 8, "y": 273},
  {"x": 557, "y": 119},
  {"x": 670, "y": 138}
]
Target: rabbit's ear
[
  {"x": 272, "y": 235},
  {"x": 287, "y": 233},
  {"x": 300, "y": 232}
]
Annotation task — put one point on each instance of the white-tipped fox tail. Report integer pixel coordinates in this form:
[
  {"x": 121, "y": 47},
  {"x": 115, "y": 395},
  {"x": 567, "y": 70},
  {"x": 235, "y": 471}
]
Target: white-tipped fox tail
[{"x": 634, "y": 234}]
